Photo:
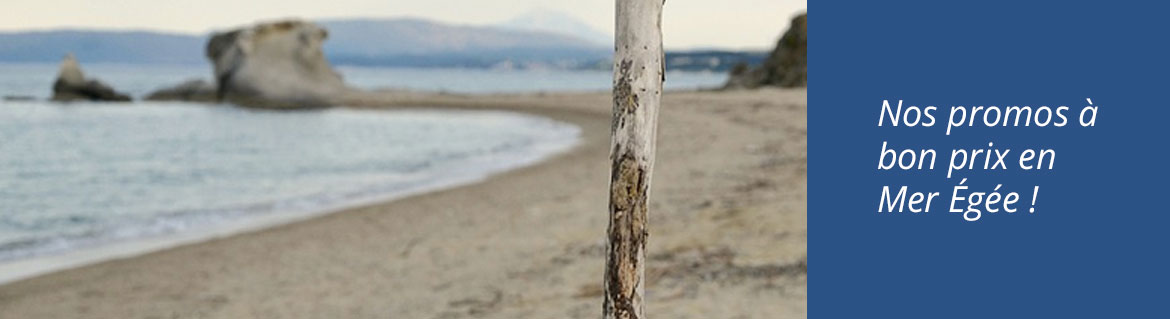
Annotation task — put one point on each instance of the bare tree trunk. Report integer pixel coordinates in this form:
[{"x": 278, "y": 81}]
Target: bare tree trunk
[{"x": 637, "y": 89}]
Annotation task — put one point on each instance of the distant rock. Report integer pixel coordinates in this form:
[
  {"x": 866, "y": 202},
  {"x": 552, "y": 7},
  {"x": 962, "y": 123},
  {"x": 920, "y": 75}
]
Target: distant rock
[
  {"x": 71, "y": 85},
  {"x": 277, "y": 64},
  {"x": 193, "y": 90},
  {"x": 19, "y": 98},
  {"x": 787, "y": 66}
]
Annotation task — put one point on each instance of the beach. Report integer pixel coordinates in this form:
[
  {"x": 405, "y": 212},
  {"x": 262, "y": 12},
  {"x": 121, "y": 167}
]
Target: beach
[{"x": 728, "y": 232}]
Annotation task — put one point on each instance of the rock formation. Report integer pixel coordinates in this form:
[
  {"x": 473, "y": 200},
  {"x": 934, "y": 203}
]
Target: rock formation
[
  {"x": 787, "y": 66},
  {"x": 71, "y": 85},
  {"x": 192, "y": 90},
  {"x": 277, "y": 64},
  {"x": 19, "y": 98}
]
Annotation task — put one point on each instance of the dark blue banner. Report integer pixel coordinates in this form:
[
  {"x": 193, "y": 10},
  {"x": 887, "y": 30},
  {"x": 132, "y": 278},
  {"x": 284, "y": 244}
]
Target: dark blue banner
[{"x": 974, "y": 88}]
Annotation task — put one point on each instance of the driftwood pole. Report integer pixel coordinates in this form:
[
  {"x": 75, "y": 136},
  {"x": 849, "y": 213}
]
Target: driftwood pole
[{"x": 637, "y": 89}]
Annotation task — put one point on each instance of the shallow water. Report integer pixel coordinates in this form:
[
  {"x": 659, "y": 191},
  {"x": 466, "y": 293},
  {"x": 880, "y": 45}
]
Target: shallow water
[
  {"x": 83, "y": 182},
  {"x": 511, "y": 81},
  {"x": 83, "y": 175},
  {"x": 36, "y": 79}
]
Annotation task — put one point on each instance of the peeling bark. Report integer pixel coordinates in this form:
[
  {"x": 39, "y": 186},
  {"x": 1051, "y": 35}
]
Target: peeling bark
[{"x": 637, "y": 90}]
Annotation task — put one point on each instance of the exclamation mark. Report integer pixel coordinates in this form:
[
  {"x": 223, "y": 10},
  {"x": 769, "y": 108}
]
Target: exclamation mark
[{"x": 1035, "y": 190}]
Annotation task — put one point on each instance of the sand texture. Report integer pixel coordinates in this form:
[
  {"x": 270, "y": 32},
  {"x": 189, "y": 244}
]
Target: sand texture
[{"x": 728, "y": 236}]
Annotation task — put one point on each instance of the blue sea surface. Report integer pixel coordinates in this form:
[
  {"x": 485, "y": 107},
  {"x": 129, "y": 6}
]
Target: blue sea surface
[
  {"x": 36, "y": 79},
  {"x": 77, "y": 177},
  {"x": 83, "y": 174}
]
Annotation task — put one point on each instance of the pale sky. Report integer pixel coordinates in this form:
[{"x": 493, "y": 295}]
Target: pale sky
[{"x": 733, "y": 24}]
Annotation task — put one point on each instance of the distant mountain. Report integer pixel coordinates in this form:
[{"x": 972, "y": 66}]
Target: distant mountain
[
  {"x": 424, "y": 43},
  {"x": 536, "y": 40},
  {"x": 558, "y": 22},
  {"x": 385, "y": 42},
  {"x": 101, "y": 46}
]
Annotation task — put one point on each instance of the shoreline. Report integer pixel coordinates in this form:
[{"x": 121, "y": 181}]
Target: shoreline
[
  {"x": 29, "y": 267},
  {"x": 521, "y": 243}
]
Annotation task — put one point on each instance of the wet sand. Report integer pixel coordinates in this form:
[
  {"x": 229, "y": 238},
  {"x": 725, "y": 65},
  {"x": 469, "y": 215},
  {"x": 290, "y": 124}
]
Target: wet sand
[{"x": 727, "y": 223}]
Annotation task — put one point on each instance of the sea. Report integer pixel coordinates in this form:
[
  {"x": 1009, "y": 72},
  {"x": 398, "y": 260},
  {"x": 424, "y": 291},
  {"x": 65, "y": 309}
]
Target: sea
[{"x": 86, "y": 182}]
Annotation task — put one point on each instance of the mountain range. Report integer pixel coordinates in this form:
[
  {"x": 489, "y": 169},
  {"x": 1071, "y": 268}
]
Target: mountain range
[
  {"x": 101, "y": 46},
  {"x": 424, "y": 43},
  {"x": 542, "y": 39},
  {"x": 558, "y": 22}
]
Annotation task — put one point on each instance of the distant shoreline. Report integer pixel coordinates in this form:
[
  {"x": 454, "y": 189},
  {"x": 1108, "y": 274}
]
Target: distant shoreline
[{"x": 36, "y": 79}]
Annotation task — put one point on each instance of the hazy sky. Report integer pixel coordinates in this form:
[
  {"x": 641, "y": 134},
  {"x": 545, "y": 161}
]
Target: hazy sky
[{"x": 686, "y": 23}]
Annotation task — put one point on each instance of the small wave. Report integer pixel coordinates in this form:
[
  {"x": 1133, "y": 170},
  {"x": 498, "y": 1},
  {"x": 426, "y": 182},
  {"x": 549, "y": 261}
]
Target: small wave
[{"x": 277, "y": 169}]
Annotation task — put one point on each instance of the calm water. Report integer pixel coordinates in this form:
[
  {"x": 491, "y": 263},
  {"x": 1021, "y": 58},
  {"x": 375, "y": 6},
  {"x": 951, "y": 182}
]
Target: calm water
[
  {"x": 138, "y": 80},
  {"x": 78, "y": 175},
  {"x": 485, "y": 81},
  {"x": 81, "y": 176}
]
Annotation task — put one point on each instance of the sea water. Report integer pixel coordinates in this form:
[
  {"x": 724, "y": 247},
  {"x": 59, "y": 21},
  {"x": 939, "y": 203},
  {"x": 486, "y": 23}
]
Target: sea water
[
  {"x": 36, "y": 79},
  {"x": 78, "y": 175},
  {"x": 101, "y": 180}
]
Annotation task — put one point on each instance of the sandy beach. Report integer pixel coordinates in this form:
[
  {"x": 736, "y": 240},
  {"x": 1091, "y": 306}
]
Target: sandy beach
[{"x": 728, "y": 235}]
